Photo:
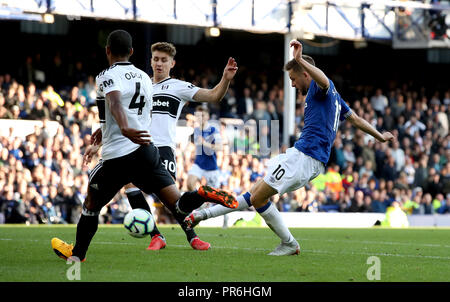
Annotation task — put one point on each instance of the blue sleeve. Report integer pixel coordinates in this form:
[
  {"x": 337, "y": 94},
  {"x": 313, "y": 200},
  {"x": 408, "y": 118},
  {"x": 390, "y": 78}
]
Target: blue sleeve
[
  {"x": 345, "y": 110},
  {"x": 315, "y": 90}
]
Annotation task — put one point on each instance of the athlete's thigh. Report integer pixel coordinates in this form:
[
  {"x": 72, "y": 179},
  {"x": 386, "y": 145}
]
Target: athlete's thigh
[
  {"x": 150, "y": 174},
  {"x": 168, "y": 160},
  {"x": 260, "y": 193},
  {"x": 289, "y": 171},
  {"x": 255, "y": 186},
  {"x": 105, "y": 180},
  {"x": 279, "y": 172}
]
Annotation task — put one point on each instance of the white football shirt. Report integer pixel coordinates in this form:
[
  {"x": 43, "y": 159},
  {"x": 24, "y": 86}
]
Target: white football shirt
[
  {"x": 136, "y": 90},
  {"x": 169, "y": 97}
]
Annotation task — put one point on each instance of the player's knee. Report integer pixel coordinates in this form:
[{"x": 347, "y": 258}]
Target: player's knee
[
  {"x": 191, "y": 182},
  {"x": 90, "y": 211},
  {"x": 169, "y": 195},
  {"x": 89, "y": 207},
  {"x": 129, "y": 186},
  {"x": 258, "y": 202}
]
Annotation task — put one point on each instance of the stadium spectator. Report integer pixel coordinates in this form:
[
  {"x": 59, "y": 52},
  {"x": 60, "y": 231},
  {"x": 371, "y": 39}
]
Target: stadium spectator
[
  {"x": 446, "y": 100},
  {"x": 414, "y": 125},
  {"x": 426, "y": 206},
  {"x": 399, "y": 156},
  {"x": 357, "y": 203},
  {"x": 389, "y": 171},
  {"x": 388, "y": 119},
  {"x": 379, "y": 102}
]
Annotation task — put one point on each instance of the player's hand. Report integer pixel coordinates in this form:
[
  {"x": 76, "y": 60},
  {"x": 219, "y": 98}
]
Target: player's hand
[
  {"x": 140, "y": 137},
  {"x": 96, "y": 137},
  {"x": 90, "y": 152},
  {"x": 230, "y": 70},
  {"x": 387, "y": 137},
  {"x": 298, "y": 49}
]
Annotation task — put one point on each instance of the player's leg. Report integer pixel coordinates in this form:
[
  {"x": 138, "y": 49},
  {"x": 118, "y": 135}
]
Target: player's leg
[
  {"x": 152, "y": 177},
  {"x": 192, "y": 182},
  {"x": 103, "y": 186},
  {"x": 268, "y": 211},
  {"x": 169, "y": 196},
  {"x": 286, "y": 173},
  {"x": 136, "y": 198},
  {"x": 218, "y": 210},
  {"x": 194, "y": 176},
  {"x": 101, "y": 189}
]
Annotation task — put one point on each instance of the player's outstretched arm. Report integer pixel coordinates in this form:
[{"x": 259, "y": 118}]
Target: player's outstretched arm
[
  {"x": 140, "y": 137},
  {"x": 365, "y": 126},
  {"x": 217, "y": 93},
  {"x": 316, "y": 74}
]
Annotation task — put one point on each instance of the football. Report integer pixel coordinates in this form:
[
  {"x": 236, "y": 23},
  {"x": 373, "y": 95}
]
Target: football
[{"x": 139, "y": 223}]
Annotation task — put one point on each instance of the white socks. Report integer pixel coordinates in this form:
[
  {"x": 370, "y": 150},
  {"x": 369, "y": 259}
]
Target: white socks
[
  {"x": 218, "y": 210},
  {"x": 274, "y": 220}
]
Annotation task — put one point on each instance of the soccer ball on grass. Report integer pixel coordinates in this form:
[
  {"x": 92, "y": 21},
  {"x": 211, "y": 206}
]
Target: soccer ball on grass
[{"x": 139, "y": 223}]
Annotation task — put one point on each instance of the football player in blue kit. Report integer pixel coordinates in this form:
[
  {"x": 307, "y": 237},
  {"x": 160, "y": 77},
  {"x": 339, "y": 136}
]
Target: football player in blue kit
[
  {"x": 287, "y": 172},
  {"x": 207, "y": 142}
]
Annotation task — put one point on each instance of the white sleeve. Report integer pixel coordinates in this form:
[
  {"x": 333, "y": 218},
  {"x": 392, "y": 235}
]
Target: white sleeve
[
  {"x": 108, "y": 82},
  {"x": 187, "y": 91}
]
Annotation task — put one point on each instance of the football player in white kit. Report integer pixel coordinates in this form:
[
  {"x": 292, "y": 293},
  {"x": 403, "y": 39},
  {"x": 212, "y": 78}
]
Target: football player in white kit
[
  {"x": 128, "y": 155},
  {"x": 169, "y": 97}
]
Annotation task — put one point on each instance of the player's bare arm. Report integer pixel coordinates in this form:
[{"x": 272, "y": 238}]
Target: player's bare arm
[
  {"x": 316, "y": 74},
  {"x": 217, "y": 93},
  {"x": 141, "y": 137},
  {"x": 365, "y": 126}
]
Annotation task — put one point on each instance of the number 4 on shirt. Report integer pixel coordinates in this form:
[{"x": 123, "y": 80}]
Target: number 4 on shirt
[{"x": 141, "y": 104}]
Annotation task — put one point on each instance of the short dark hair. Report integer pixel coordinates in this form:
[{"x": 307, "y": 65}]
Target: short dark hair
[
  {"x": 292, "y": 64},
  {"x": 166, "y": 47},
  {"x": 120, "y": 43}
]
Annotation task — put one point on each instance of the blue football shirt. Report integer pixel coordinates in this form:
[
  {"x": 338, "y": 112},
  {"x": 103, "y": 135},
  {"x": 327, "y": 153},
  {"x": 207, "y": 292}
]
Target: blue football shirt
[
  {"x": 206, "y": 158},
  {"x": 323, "y": 112}
]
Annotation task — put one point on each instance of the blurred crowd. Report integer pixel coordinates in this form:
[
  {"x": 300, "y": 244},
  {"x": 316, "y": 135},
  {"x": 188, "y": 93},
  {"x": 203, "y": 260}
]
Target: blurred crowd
[{"x": 42, "y": 179}]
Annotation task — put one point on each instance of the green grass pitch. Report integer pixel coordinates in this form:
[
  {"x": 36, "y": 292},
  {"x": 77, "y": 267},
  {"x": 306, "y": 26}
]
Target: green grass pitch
[{"x": 237, "y": 254}]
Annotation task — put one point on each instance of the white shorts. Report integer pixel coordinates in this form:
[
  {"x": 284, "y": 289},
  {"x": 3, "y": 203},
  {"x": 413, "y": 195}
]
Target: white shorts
[
  {"x": 292, "y": 170},
  {"x": 211, "y": 176}
]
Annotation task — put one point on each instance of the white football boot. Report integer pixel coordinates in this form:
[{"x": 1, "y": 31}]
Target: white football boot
[{"x": 286, "y": 249}]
